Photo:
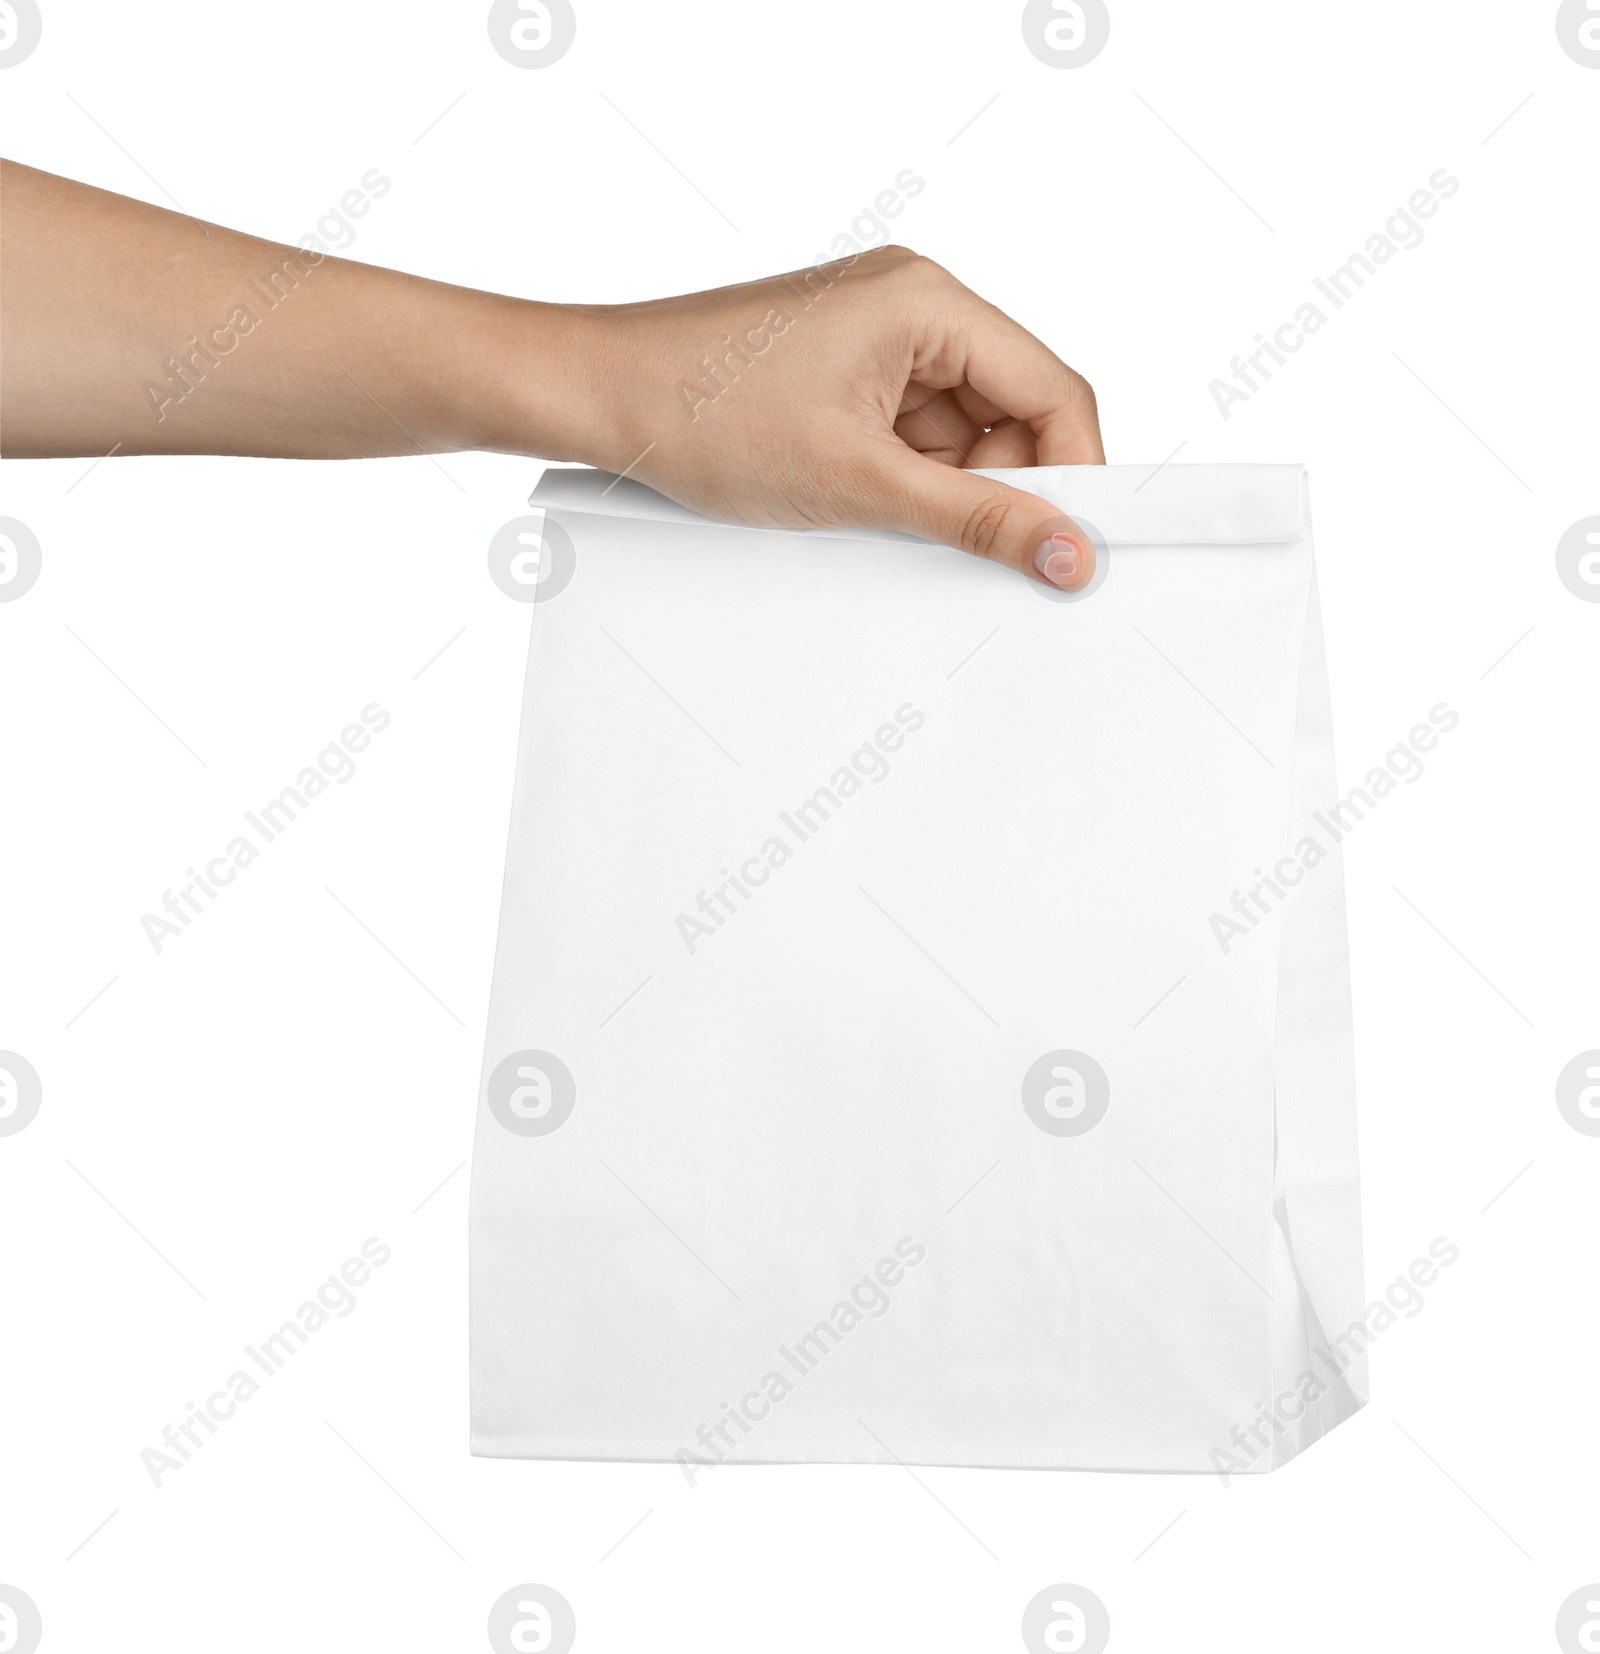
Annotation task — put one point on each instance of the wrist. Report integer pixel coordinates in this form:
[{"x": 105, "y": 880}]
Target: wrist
[{"x": 542, "y": 380}]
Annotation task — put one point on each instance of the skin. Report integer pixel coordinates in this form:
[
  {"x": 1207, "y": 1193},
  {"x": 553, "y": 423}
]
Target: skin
[{"x": 848, "y": 395}]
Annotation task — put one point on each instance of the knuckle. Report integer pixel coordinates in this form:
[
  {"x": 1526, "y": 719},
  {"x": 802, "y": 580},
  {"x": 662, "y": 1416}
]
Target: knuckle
[
  {"x": 926, "y": 269},
  {"x": 908, "y": 268},
  {"x": 983, "y": 530}
]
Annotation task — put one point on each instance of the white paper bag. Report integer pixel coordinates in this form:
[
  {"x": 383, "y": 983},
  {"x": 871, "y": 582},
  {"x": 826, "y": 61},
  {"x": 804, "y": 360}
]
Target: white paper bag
[{"x": 920, "y": 1024}]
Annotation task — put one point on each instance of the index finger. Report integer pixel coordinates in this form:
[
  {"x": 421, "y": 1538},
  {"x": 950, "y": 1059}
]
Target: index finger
[{"x": 1012, "y": 373}]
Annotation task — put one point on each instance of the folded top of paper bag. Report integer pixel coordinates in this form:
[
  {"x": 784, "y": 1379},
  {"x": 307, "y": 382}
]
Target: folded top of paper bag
[{"x": 1130, "y": 505}]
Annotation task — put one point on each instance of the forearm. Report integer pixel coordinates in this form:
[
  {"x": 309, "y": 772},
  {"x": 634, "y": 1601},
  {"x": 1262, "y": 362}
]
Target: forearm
[{"x": 125, "y": 325}]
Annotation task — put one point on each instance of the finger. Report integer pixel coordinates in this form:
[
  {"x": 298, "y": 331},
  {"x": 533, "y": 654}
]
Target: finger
[
  {"x": 1010, "y": 444},
  {"x": 1015, "y": 371},
  {"x": 937, "y": 426},
  {"x": 917, "y": 495},
  {"x": 981, "y": 347},
  {"x": 978, "y": 408}
]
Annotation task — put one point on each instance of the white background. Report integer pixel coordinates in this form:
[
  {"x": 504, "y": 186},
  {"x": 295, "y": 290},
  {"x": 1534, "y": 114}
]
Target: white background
[{"x": 226, "y": 1122}]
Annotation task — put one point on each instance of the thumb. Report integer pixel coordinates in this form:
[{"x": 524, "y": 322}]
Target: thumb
[{"x": 990, "y": 519}]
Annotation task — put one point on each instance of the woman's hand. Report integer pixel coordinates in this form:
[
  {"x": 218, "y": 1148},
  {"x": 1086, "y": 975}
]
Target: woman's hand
[{"x": 847, "y": 395}]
